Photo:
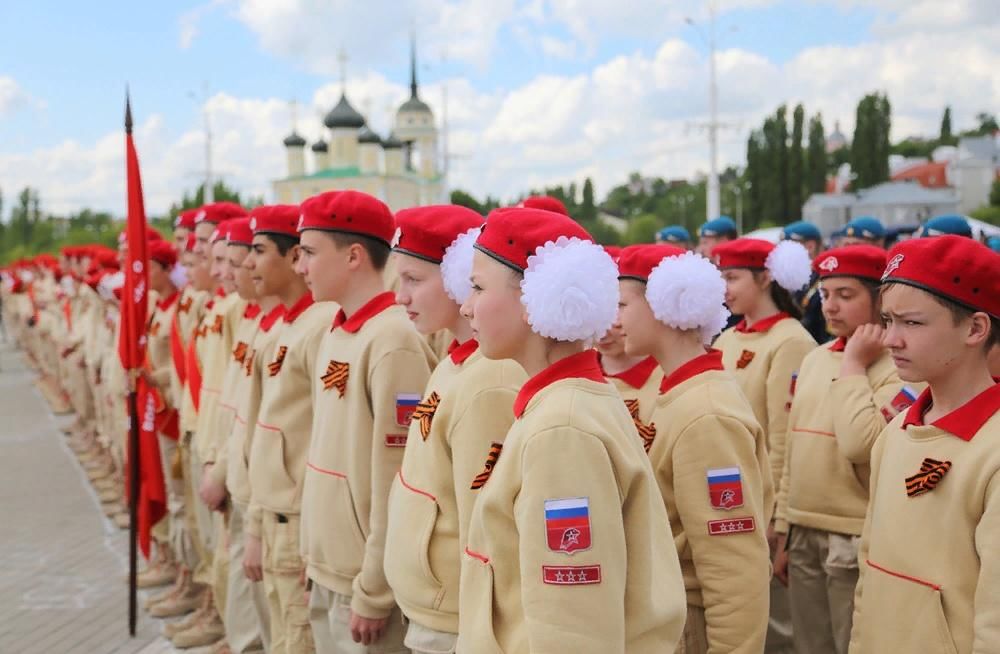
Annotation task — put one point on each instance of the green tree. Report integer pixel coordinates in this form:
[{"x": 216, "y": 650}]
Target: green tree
[
  {"x": 642, "y": 229},
  {"x": 987, "y": 125},
  {"x": 465, "y": 199},
  {"x": 796, "y": 164},
  {"x": 870, "y": 147},
  {"x": 816, "y": 163},
  {"x": 220, "y": 193},
  {"x": 588, "y": 211},
  {"x": 945, "y": 137},
  {"x": 754, "y": 205},
  {"x": 995, "y": 193}
]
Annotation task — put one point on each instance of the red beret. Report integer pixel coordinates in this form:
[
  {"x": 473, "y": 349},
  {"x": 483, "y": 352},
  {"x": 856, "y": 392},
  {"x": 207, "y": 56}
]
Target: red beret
[
  {"x": 217, "y": 212},
  {"x": 162, "y": 252},
  {"x": 742, "y": 253},
  {"x": 240, "y": 232},
  {"x": 545, "y": 202},
  {"x": 637, "y": 261},
  {"x": 613, "y": 251},
  {"x": 864, "y": 261},
  {"x": 186, "y": 218},
  {"x": 275, "y": 219},
  {"x": 221, "y": 232},
  {"x": 512, "y": 235},
  {"x": 426, "y": 232},
  {"x": 351, "y": 212},
  {"x": 956, "y": 268},
  {"x": 190, "y": 242},
  {"x": 153, "y": 235}
]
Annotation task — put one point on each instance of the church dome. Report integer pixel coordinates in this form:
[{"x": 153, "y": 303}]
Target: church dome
[
  {"x": 366, "y": 135},
  {"x": 415, "y": 105},
  {"x": 392, "y": 143},
  {"x": 344, "y": 116},
  {"x": 319, "y": 146},
  {"x": 293, "y": 140}
]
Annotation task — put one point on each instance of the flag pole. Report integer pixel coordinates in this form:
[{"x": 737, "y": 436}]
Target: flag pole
[{"x": 133, "y": 458}]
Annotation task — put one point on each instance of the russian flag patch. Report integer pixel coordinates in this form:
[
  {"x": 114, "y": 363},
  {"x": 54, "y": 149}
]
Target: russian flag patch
[
  {"x": 903, "y": 400},
  {"x": 725, "y": 488},
  {"x": 406, "y": 404},
  {"x": 567, "y": 524}
]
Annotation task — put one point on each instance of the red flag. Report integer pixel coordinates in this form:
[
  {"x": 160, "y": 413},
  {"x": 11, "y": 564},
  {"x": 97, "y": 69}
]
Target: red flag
[
  {"x": 132, "y": 337},
  {"x": 152, "y": 486}
]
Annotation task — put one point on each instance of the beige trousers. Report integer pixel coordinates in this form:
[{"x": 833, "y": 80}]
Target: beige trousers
[
  {"x": 204, "y": 532},
  {"x": 246, "y": 615},
  {"x": 695, "y": 637},
  {"x": 286, "y": 600},
  {"x": 330, "y": 616},
  {"x": 424, "y": 640},
  {"x": 822, "y": 575}
]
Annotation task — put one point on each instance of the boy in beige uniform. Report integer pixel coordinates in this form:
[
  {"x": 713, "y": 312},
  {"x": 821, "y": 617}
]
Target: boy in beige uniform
[
  {"x": 832, "y": 428},
  {"x": 708, "y": 451},
  {"x": 372, "y": 368},
  {"x": 457, "y": 432},
  {"x": 280, "y": 441},
  {"x": 569, "y": 546},
  {"x": 930, "y": 575}
]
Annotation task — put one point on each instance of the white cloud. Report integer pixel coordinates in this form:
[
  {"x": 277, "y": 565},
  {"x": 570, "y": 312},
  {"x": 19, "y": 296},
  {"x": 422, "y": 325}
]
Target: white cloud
[{"x": 14, "y": 98}]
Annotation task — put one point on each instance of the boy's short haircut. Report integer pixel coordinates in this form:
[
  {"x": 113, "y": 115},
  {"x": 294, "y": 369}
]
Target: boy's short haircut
[
  {"x": 960, "y": 313},
  {"x": 377, "y": 251},
  {"x": 283, "y": 242}
]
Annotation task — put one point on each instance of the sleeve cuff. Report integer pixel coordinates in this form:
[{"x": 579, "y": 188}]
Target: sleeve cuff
[
  {"x": 364, "y": 608},
  {"x": 780, "y": 526},
  {"x": 252, "y": 524}
]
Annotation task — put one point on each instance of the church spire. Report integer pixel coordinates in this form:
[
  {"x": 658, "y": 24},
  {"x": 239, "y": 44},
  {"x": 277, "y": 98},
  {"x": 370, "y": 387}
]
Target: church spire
[{"x": 413, "y": 64}]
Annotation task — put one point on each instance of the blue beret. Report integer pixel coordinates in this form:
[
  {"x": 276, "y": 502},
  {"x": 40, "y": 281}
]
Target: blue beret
[
  {"x": 993, "y": 243},
  {"x": 948, "y": 224},
  {"x": 865, "y": 227},
  {"x": 673, "y": 234},
  {"x": 721, "y": 226},
  {"x": 801, "y": 230}
]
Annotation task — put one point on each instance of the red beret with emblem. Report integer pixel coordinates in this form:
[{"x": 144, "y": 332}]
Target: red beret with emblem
[
  {"x": 956, "y": 268},
  {"x": 864, "y": 261},
  {"x": 186, "y": 218},
  {"x": 218, "y": 212},
  {"x": 637, "y": 261},
  {"x": 742, "y": 253},
  {"x": 221, "y": 232},
  {"x": 348, "y": 212},
  {"x": 190, "y": 242},
  {"x": 275, "y": 219},
  {"x": 240, "y": 232},
  {"x": 546, "y": 202},
  {"x": 512, "y": 235},
  {"x": 162, "y": 252},
  {"x": 427, "y": 232}
]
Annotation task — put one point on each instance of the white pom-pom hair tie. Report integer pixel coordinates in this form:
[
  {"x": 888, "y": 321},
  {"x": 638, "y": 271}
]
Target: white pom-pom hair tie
[
  {"x": 790, "y": 265},
  {"x": 570, "y": 290},
  {"x": 688, "y": 292},
  {"x": 456, "y": 266}
]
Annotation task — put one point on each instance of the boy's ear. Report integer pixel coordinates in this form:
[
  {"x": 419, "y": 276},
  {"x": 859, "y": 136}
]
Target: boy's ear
[
  {"x": 979, "y": 329},
  {"x": 296, "y": 252}
]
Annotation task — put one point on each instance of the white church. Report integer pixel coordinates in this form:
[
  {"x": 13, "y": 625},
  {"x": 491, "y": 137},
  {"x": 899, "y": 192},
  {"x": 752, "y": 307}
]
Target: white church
[{"x": 402, "y": 169}]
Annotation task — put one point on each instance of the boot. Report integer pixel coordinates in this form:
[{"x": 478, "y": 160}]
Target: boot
[
  {"x": 121, "y": 520},
  {"x": 162, "y": 572},
  {"x": 180, "y": 584},
  {"x": 207, "y": 631},
  {"x": 173, "y": 628},
  {"x": 109, "y": 495},
  {"x": 221, "y": 647},
  {"x": 111, "y": 510},
  {"x": 182, "y": 603}
]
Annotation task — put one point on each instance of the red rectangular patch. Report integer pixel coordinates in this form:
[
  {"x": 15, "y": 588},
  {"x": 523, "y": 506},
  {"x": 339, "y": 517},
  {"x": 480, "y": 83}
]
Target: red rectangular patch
[
  {"x": 571, "y": 575},
  {"x": 395, "y": 440},
  {"x": 732, "y": 526}
]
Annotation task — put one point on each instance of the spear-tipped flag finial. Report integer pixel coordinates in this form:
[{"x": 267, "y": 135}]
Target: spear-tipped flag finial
[{"x": 128, "y": 112}]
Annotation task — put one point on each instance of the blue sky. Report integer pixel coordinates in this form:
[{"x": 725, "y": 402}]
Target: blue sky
[{"x": 66, "y": 65}]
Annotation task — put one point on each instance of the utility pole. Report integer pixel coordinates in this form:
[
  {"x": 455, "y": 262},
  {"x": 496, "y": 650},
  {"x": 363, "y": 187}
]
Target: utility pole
[
  {"x": 208, "y": 194},
  {"x": 712, "y": 204}
]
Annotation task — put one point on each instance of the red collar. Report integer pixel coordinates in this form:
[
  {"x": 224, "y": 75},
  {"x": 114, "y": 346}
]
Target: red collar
[
  {"x": 711, "y": 360},
  {"x": 838, "y": 345},
  {"x": 637, "y": 375},
  {"x": 298, "y": 308},
  {"x": 761, "y": 326},
  {"x": 459, "y": 353},
  {"x": 275, "y": 314},
  {"x": 163, "y": 305},
  {"x": 372, "y": 308},
  {"x": 964, "y": 421},
  {"x": 583, "y": 365},
  {"x": 252, "y": 311},
  {"x": 220, "y": 292}
]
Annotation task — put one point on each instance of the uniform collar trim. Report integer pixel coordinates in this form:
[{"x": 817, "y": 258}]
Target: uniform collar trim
[
  {"x": 583, "y": 365},
  {"x": 637, "y": 375},
  {"x": 252, "y": 311},
  {"x": 371, "y": 308},
  {"x": 711, "y": 360},
  {"x": 460, "y": 352},
  {"x": 273, "y": 316},
  {"x": 761, "y": 326},
  {"x": 838, "y": 345},
  {"x": 165, "y": 304},
  {"x": 965, "y": 421},
  {"x": 298, "y": 308}
]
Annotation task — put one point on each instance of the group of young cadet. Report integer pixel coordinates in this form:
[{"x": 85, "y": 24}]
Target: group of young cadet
[{"x": 436, "y": 432}]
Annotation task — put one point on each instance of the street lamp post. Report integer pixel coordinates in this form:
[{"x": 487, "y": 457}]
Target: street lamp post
[
  {"x": 209, "y": 193},
  {"x": 712, "y": 187}
]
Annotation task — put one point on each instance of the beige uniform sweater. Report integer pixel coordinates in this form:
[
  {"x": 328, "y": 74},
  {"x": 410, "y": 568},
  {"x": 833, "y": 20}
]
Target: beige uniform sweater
[
  {"x": 710, "y": 461},
  {"x": 214, "y": 352},
  {"x": 929, "y": 564},
  {"x": 190, "y": 312},
  {"x": 247, "y": 396},
  {"x": 371, "y": 372},
  {"x": 569, "y": 545},
  {"x": 455, "y": 440},
  {"x": 763, "y": 361},
  {"x": 639, "y": 386},
  {"x": 158, "y": 344},
  {"x": 833, "y": 426},
  {"x": 280, "y": 441},
  {"x": 232, "y": 389}
]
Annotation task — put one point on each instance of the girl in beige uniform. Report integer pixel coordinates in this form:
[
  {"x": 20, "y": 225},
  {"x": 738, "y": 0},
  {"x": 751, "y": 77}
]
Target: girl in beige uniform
[
  {"x": 930, "y": 574},
  {"x": 845, "y": 393},
  {"x": 457, "y": 432},
  {"x": 708, "y": 451},
  {"x": 569, "y": 546}
]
